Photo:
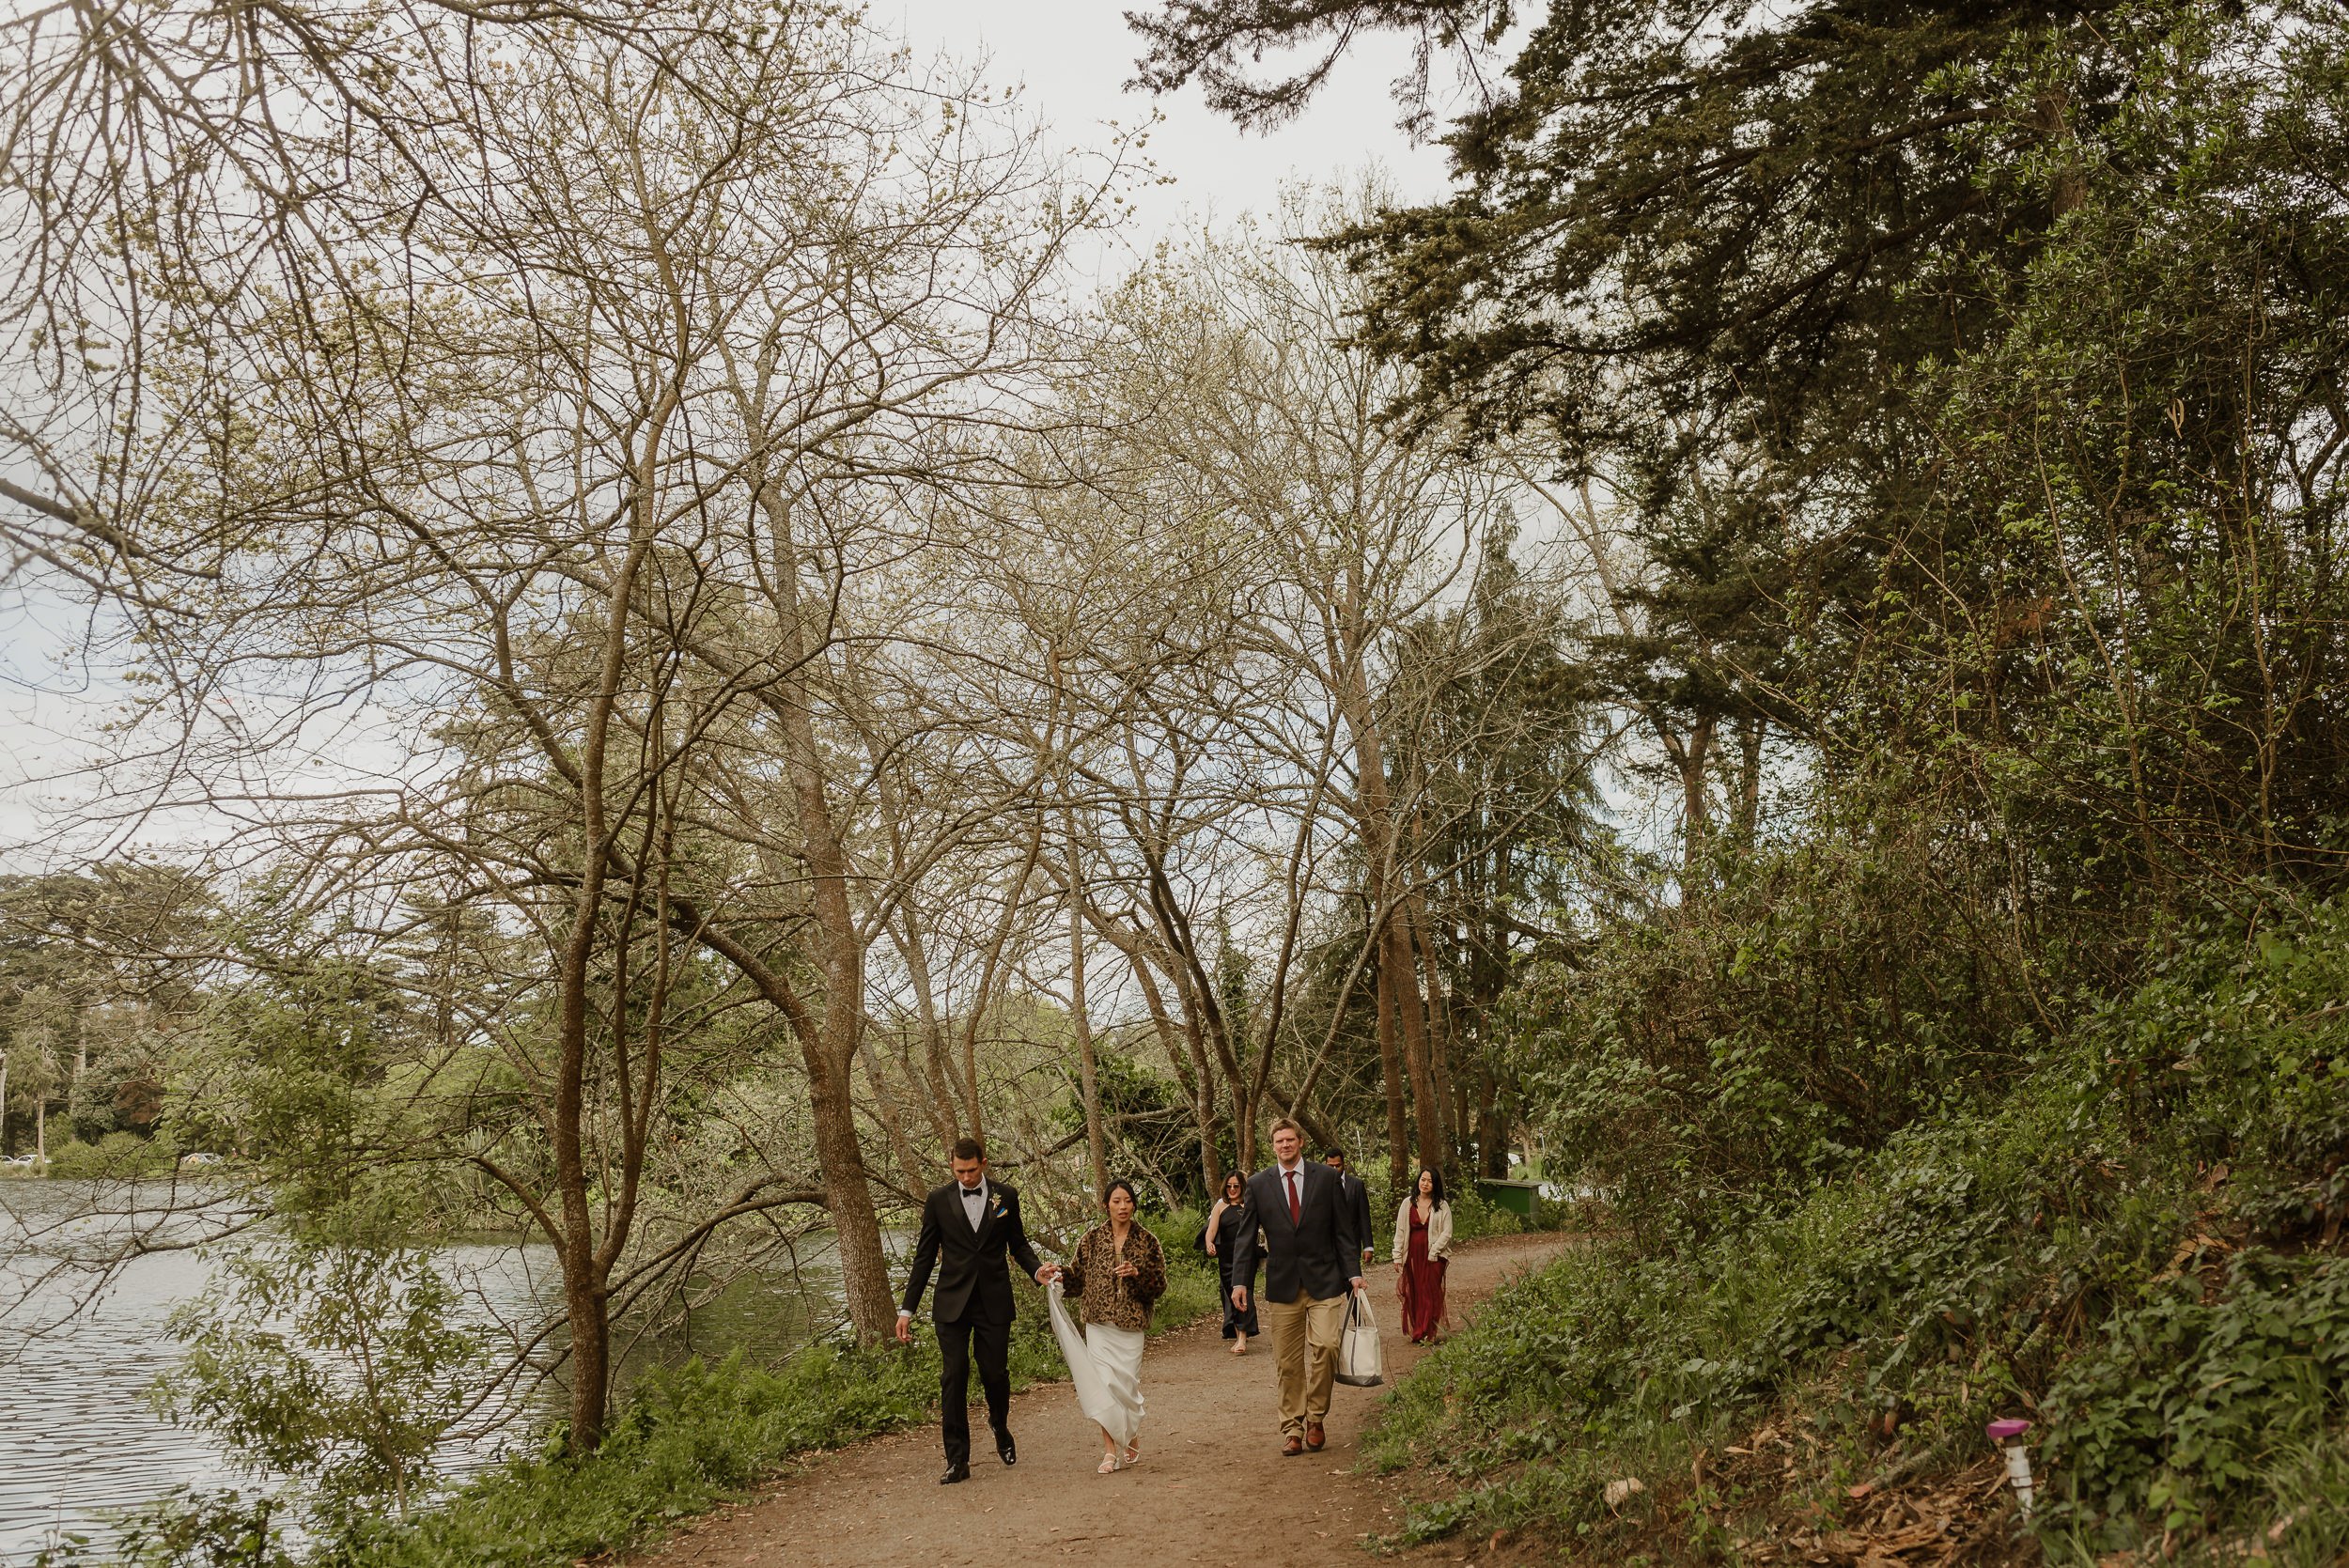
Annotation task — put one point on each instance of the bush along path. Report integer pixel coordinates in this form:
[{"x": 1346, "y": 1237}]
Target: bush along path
[
  {"x": 1211, "y": 1489},
  {"x": 2139, "y": 1248}
]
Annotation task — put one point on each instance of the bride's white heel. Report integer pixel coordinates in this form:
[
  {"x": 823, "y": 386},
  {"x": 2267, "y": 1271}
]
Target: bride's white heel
[{"x": 1109, "y": 1465}]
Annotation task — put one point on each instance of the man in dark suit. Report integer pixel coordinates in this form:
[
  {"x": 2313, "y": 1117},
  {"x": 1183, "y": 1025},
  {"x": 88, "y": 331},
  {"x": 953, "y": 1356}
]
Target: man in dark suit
[
  {"x": 1312, "y": 1263},
  {"x": 968, "y": 1227},
  {"x": 1358, "y": 1201}
]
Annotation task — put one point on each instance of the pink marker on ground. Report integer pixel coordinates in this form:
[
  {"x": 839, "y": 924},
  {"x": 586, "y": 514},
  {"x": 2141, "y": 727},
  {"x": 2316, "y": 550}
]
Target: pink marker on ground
[{"x": 2008, "y": 1434}]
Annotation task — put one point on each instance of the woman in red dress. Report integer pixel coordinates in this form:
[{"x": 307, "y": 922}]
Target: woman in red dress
[{"x": 1423, "y": 1247}]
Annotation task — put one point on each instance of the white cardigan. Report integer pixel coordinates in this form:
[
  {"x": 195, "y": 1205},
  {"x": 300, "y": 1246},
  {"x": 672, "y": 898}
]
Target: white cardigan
[{"x": 1438, "y": 1232}]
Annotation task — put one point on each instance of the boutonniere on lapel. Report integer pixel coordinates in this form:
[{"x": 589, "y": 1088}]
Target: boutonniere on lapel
[{"x": 995, "y": 1205}]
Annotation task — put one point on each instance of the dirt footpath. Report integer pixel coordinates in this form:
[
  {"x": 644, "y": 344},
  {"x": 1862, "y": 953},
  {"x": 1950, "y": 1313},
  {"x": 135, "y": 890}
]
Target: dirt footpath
[{"x": 1212, "y": 1487}]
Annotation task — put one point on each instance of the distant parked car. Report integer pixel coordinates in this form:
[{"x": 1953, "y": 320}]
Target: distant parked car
[
  {"x": 17, "y": 1159},
  {"x": 200, "y": 1158}
]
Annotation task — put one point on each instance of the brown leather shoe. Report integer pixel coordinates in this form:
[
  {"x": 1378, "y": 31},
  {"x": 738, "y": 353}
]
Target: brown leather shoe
[
  {"x": 1315, "y": 1436},
  {"x": 1291, "y": 1449}
]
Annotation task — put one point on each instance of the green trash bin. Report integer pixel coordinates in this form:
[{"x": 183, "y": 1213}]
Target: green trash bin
[{"x": 1522, "y": 1199}]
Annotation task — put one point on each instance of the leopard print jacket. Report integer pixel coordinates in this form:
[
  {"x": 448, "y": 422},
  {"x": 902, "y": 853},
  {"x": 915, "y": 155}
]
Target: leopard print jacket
[{"x": 1091, "y": 1271}]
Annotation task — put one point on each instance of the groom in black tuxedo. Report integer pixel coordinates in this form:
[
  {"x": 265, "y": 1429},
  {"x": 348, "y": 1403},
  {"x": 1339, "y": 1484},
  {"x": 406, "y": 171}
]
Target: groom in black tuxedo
[{"x": 967, "y": 1226}]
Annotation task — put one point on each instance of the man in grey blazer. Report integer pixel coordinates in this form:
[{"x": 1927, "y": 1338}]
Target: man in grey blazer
[{"x": 1312, "y": 1263}]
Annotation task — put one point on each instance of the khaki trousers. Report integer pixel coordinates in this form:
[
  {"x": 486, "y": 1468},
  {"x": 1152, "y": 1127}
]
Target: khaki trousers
[{"x": 1305, "y": 1335}]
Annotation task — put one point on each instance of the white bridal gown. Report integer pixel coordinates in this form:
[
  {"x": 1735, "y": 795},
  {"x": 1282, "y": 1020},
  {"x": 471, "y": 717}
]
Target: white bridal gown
[{"x": 1105, "y": 1364}]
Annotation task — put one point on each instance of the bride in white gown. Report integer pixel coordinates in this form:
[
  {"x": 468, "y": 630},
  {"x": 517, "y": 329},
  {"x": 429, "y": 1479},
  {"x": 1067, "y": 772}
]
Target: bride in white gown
[{"x": 1114, "y": 1273}]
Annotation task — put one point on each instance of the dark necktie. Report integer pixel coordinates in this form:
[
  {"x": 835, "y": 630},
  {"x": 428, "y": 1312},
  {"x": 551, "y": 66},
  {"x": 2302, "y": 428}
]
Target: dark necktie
[{"x": 1296, "y": 1211}]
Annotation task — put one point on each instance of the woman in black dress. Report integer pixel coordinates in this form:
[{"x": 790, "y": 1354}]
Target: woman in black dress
[{"x": 1223, "y": 1240}]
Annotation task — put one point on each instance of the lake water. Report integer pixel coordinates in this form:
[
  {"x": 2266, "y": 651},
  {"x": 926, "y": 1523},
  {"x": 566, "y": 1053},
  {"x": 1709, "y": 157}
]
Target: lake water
[{"x": 79, "y": 1439}]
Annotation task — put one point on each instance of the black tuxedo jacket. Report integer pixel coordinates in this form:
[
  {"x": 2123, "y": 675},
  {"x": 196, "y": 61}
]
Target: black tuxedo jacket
[
  {"x": 1357, "y": 1209},
  {"x": 1318, "y": 1254},
  {"x": 973, "y": 1283}
]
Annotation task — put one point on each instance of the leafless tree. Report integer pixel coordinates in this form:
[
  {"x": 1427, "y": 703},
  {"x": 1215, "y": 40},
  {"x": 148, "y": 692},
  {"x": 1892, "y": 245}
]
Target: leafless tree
[
  {"x": 1262, "y": 418},
  {"x": 605, "y": 470}
]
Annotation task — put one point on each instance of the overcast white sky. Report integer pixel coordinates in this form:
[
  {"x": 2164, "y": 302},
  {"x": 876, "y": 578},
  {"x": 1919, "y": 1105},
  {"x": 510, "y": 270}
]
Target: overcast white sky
[{"x": 1071, "y": 59}]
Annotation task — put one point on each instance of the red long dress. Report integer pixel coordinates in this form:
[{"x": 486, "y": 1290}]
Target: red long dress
[{"x": 1423, "y": 1284}]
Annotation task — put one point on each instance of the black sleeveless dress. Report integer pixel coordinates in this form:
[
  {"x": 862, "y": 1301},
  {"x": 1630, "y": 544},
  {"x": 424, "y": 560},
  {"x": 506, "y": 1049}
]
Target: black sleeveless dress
[{"x": 1226, "y": 1246}]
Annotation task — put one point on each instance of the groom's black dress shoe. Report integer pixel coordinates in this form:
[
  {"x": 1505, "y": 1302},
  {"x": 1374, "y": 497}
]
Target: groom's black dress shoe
[
  {"x": 955, "y": 1473},
  {"x": 1003, "y": 1447}
]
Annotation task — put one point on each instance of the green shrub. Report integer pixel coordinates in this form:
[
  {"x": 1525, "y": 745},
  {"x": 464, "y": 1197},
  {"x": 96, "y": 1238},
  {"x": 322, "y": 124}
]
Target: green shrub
[
  {"x": 189, "y": 1528},
  {"x": 1193, "y": 1288},
  {"x": 2173, "y": 1417},
  {"x": 689, "y": 1438},
  {"x": 114, "y": 1157},
  {"x": 1473, "y": 1216},
  {"x": 1804, "y": 1016},
  {"x": 2017, "y": 1255}
]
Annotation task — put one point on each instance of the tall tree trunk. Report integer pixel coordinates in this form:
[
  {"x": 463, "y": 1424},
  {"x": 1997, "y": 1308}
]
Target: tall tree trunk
[
  {"x": 1463, "y": 1104},
  {"x": 586, "y": 1290},
  {"x": 830, "y": 1050},
  {"x": 1391, "y": 1075},
  {"x": 586, "y": 1312},
  {"x": 1449, "y": 1125},
  {"x": 1088, "y": 1071},
  {"x": 1751, "y": 734},
  {"x": 830, "y": 1056},
  {"x": 1694, "y": 810},
  {"x": 1244, "y": 1106},
  {"x": 1398, "y": 970},
  {"x": 1412, "y": 1013},
  {"x": 847, "y": 1189},
  {"x": 1492, "y": 1128}
]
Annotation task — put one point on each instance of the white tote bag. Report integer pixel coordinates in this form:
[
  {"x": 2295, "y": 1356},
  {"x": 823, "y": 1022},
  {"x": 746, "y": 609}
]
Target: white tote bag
[{"x": 1357, "y": 1351}]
